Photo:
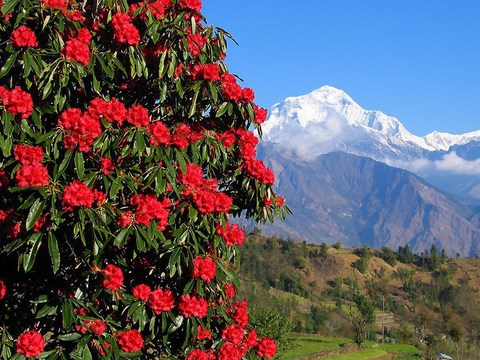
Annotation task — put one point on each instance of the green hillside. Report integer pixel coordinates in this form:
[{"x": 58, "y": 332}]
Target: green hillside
[{"x": 427, "y": 300}]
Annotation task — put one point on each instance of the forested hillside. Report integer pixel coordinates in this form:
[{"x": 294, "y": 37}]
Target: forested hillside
[{"x": 427, "y": 300}]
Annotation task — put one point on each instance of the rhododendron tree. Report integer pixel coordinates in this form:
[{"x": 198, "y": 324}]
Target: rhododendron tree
[{"x": 127, "y": 148}]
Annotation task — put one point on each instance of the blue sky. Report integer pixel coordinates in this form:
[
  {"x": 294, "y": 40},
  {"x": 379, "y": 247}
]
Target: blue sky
[{"x": 417, "y": 60}]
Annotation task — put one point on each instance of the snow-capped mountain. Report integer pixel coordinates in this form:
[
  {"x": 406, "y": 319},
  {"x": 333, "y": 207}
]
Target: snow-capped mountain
[{"x": 327, "y": 119}]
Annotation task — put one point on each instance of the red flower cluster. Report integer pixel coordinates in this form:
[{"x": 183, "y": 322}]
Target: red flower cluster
[
  {"x": 149, "y": 208},
  {"x": 260, "y": 114},
  {"x": 8, "y": 223},
  {"x": 204, "y": 268},
  {"x": 77, "y": 49},
  {"x": 77, "y": 194},
  {"x": 232, "y": 91},
  {"x": 204, "y": 192},
  {"x": 239, "y": 312},
  {"x": 161, "y": 301},
  {"x": 258, "y": 170},
  {"x": 203, "y": 333},
  {"x": 157, "y": 8},
  {"x": 17, "y": 101},
  {"x": 62, "y": 4},
  {"x": 266, "y": 347},
  {"x": 3, "y": 289},
  {"x": 229, "y": 291},
  {"x": 81, "y": 129},
  {"x": 107, "y": 165},
  {"x": 198, "y": 354},
  {"x": 196, "y": 43},
  {"x": 98, "y": 327},
  {"x": 192, "y": 305},
  {"x": 142, "y": 292},
  {"x": 195, "y": 5},
  {"x": 23, "y": 37},
  {"x": 126, "y": 219},
  {"x": 230, "y": 352},
  {"x": 30, "y": 343},
  {"x": 137, "y": 115},
  {"x": 112, "y": 111},
  {"x": 209, "y": 72},
  {"x": 124, "y": 30},
  {"x": 247, "y": 142},
  {"x": 183, "y": 135},
  {"x": 130, "y": 340},
  {"x": 159, "y": 134},
  {"x": 32, "y": 172},
  {"x": 233, "y": 334},
  {"x": 231, "y": 234},
  {"x": 113, "y": 277}
]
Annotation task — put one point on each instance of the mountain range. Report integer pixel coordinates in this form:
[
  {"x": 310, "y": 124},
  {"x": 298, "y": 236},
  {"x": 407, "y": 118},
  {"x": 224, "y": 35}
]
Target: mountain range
[{"x": 360, "y": 177}]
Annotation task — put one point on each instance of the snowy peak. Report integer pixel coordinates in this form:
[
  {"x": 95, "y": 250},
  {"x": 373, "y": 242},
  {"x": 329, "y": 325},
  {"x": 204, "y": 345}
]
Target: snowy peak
[
  {"x": 329, "y": 114},
  {"x": 328, "y": 119}
]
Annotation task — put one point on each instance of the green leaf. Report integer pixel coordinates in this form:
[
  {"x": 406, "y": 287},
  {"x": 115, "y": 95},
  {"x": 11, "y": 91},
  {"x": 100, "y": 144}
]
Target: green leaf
[
  {"x": 65, "y": 162},
  {"x": 34, "y": 243},
  {"x": 8, "y": 64},
  {"x": 54, "y": 251},
  {"x": 193, "y": 107},
  {"x": 79, "y": 164},
  {"x": 34, "y": 213},
  {"x": 222, "y": 109},
  {"x": 69, "y": 337},
  {"x": 120, "y": 238}
]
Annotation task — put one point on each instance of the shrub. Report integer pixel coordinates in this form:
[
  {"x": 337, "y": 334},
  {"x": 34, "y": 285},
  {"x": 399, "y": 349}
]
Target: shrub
[{"x": 125, "y": 148}]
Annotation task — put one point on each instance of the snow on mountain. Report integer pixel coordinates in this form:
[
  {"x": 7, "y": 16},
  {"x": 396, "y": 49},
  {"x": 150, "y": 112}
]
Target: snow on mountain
[{"x": 327, "y": 119}]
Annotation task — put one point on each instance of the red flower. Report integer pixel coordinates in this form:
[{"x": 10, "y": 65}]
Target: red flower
[
  {"x": 196, "y": 42},
  {"x": 34, "y": 175},
  {"x": 204, "y": 268},
  {"x": 233, "y": 334},
  {"x": 229, "y": 352},
  {"x": 112, "y": 111},
  {"x": 138, "y": 116},
  {"x": 193, "y": 306},
  {"x": 142, "y": 292},
  {"x": 23, "y": 37},
  {"x": 195, "y": 5},
  {"x": 193, "y": 177},
  {"x": 198, "y": 354},
  {"x": 130, "y": 340},
  {"x": 240, "y": 313},
  {"x": 98, "y": 327},
  {"x": 203, "y": 333},
  {"x": 40, "y": 224},
  {"x": 260, "y": 114},
  {"x": 231, "y": 234},
  {"x": 124, "y": 30},
  {"x": 229, "y": 291},
  {"x": 230, "y": 89},
  {"x": 258, "y": 170},
  {"x": 77, "y": 50},
  {"x": 81, "y": 129},
  {"x": 84, "y": 36},
  {"x": 27, "y": 154},
  {"x": 17, "y": 101},
  {"x": 30, "y": 343},
  {"x": 159, "y": 134},
  {"x": 125, "y": 219},
  {"x": 107, "y": 165},
  {"x": 113, "y": 277},
  {"x": 247, "y": 96},
  {"x": 211, "y": 72},
  {"x": 251, "y": 340},
  {"x": 62, "y": 4},
  {"x": 280, "y": 201},
  {"x": 77, "y": 194},
  {"x": 247, "y": 143},
  {"x": 150, "y": 208},
  {"x": 266, "y": 347},
  {"x": 161, "y": 301},
  {"x": 3, "y": 289}
]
